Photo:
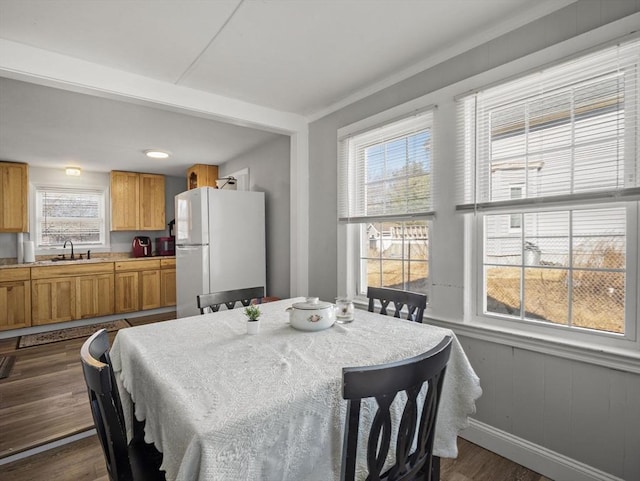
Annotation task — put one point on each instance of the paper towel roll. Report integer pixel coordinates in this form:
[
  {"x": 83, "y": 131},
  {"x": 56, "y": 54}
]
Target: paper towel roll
[
  {"x": 29, "y": 251},
  {"x": 20, "y": 248}
]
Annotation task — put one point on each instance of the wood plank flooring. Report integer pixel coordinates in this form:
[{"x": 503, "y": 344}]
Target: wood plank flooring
[
  {"x": 44, "y": 399},
  {"x": 83, "y": 461}
]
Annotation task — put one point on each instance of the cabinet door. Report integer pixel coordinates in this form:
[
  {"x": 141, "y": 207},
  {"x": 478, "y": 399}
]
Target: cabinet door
[
  {"x": 152, "y": 202},
  {"x": 95, "y": 296},
  {"x": 15, "y": 305},
  {"x": 168, "y": 287},
  {"x": 127, "y": 292},
  {"x": 54, "y": 300},
  {"x": 150, "y": 289},
  {"x": 13, "y": 197},
  {"x": 125, "y": 200},
  {"x": 202, "y": 175}
]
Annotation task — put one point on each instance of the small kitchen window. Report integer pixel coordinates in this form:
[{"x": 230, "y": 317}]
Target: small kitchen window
[{"x": 75, "y": 214}]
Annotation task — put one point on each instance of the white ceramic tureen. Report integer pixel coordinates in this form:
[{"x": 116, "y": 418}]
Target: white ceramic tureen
[{"x": 312, "y": 314}]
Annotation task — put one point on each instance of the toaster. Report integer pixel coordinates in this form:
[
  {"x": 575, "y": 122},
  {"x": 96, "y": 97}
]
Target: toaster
[
  {"x": 141, "y": 246},
  {"x": 165, "y": 246}
]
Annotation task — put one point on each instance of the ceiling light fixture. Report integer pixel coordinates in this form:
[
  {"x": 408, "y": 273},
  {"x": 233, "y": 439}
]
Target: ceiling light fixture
[
  {"x": 156, "y": 154},
  {"x": 72, "y": 171}
]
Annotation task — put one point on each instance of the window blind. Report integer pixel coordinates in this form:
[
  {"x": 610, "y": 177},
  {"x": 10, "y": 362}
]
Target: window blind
[
  {"x": 566, "y": 133},
  {"x": 69, "y": 214},
  {"x": 385, "y": 172}
]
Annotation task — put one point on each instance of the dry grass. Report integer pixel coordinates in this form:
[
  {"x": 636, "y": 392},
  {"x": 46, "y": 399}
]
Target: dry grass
[
  {"x": 391, "y": 272},
  {"x": 597, "y": 300}
]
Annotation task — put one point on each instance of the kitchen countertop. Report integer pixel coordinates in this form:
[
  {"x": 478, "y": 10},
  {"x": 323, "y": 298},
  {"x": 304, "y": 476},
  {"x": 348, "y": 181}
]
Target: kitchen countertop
[{"x": 93, "y": 260}]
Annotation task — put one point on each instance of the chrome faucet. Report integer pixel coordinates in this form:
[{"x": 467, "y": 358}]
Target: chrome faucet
[{"x": 65, "y": 246}]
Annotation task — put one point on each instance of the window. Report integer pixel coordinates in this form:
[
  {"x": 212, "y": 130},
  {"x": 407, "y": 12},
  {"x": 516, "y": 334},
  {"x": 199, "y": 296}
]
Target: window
[
  {"x": 515, "y": 222},
  {"x": 552, "y": 177},
  {"x": 385, "y": 199},
  {"x": 72, "y": 214}
]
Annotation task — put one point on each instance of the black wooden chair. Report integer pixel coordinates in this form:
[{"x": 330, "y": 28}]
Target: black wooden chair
[
  {"x": 417, "y": 424},
  {"x": 214, "y": 300},
  {"x": 416, "y": 303},
  {"x": 126, "y": 461}
]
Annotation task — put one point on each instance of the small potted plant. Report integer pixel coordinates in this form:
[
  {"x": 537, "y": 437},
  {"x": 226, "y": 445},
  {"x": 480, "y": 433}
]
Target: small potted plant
[{"x": 253, "y": 313}]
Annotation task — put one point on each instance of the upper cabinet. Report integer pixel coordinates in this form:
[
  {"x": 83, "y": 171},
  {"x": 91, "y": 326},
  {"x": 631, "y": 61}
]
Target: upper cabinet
[
  {"x": 137, "y": 201},
  {"x": 13, "y": 197},
  {"x": 201, "y": 175}
]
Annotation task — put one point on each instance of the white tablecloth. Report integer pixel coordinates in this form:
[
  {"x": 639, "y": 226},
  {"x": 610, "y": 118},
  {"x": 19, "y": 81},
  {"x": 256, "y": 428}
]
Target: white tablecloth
[{"x": 224, "y": 405}]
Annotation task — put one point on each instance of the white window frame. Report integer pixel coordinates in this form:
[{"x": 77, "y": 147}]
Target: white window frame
[
  {"x": 544, "y": 331},
  {"x": 58, "y": 249},
  {"x": 349, "y": 280},
  {"x": 474, "y": 226}
]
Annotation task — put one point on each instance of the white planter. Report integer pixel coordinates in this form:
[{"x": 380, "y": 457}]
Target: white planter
[{"x": 253, "y": 327}]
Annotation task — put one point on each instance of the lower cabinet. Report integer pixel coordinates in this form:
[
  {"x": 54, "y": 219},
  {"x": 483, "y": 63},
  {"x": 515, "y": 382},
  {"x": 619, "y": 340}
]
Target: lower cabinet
[
  {"x": 138, "y": 285},
  {"x": 168, "y": 282},
  {"x": 69, "y": 292},
  {"x": 150, "y": 289},
  {"x": 53, "y": 300},
  {"x": 15, "y": 298},
  {"x": 60, "y": 292},
  {"x": 127, "y": 292},
  {"x": 95, "y": 296}
]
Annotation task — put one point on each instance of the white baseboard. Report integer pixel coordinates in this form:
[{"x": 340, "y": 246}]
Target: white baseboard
[
  {"x": 47, "y": 447},
  {"x": 537, "y": 458}
]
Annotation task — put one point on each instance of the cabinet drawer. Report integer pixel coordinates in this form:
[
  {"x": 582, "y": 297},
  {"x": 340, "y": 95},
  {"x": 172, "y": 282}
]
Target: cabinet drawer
[
  {"x": 15, "y": 274},
  {"x": 139, "y": 265},
  {"x": 167, "y": 263}
]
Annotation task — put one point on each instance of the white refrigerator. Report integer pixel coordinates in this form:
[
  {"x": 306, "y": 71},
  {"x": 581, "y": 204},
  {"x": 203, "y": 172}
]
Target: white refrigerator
[{"x": 220, "y": 243}]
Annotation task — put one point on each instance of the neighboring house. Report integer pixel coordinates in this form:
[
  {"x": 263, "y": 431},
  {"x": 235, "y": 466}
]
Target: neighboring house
[{"x": 390, "y": 239}]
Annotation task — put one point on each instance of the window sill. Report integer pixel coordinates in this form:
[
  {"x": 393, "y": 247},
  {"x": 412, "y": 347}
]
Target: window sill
[{"x": 615, "y": 358}]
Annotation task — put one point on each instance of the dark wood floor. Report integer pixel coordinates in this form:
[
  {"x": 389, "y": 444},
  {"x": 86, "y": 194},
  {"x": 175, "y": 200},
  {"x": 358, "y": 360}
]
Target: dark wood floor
[
  {"x": 83, "y": 461},
  {"x": 45, "y": 399}
]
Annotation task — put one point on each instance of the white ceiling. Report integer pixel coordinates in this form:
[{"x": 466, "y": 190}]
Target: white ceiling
[{"x": 306, "y": 57}]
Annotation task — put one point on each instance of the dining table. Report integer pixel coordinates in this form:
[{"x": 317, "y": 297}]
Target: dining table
[{"x": 222, "y": 404}]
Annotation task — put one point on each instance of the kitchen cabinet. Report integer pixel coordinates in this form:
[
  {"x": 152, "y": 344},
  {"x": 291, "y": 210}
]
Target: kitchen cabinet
[
  {"x": 167, "y": 282},
  {"x": 149, "y": 289},
  {"x": 152, "y": 202},
  {"x": 54, "y": 300},
  {"x": 127, "y": 292},
  {"x": 61, "y": 292},
  {"x": 15, "y": 298},
  {"x": 137, "y": 201},
  {"x": 13, "y": 197},
  {"x": 137, "y": 285},
  {"x": 75, "y": 291},
  {"x": 95, "y": 295},
  {"x": 201, "y": 175}
]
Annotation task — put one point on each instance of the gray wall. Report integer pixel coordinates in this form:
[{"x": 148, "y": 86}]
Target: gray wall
[
  {"x": 586, "y": 412},
  {"x": 269, "y": 172}
]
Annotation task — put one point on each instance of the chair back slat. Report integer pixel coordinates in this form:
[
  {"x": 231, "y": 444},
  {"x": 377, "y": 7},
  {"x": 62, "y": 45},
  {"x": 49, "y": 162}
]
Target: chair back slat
[
  {"x": 415, "y": 302},
  {"x": 214, "y": 300},
  {"x": 384, "y": 382}
]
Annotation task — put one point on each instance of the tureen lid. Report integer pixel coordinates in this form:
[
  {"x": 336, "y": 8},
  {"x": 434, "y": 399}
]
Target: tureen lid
[{"x": 311, "y": 303}]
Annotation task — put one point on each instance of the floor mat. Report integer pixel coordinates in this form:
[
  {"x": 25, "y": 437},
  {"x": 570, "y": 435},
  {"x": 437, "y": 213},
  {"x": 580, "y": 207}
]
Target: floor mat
[{"x": 69, "y": 333}]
